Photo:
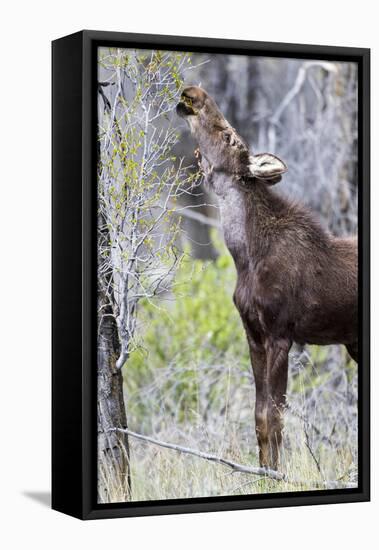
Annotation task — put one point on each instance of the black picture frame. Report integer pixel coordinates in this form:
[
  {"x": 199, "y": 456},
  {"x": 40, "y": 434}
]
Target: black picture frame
[{"x": 74, "y": 88}]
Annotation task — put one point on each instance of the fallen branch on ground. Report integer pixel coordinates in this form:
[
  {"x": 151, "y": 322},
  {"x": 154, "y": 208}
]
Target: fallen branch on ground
[{"x": 235, "y": 466}]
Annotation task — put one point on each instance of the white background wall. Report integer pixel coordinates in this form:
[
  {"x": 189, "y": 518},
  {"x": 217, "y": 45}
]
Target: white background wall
[{"x": 26, "y": 31}]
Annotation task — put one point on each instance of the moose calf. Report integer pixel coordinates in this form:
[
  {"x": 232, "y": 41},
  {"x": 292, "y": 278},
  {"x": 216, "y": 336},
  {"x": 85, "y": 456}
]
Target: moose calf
[{"x": 295, "y": 281}]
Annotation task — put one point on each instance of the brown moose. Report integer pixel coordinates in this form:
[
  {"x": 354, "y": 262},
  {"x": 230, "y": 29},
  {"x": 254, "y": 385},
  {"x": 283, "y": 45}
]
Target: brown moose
[{"x": 295, "y": 281}]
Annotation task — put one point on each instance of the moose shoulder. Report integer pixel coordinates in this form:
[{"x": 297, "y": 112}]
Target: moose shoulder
[{"x": 295, "y": 281}]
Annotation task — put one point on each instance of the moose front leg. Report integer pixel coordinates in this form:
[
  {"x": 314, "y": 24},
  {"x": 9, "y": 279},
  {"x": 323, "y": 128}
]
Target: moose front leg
[
  {"x": 259, "y": 366},
  {"x": 270, "y": 368},
  {"x": 277, "y": 376}
]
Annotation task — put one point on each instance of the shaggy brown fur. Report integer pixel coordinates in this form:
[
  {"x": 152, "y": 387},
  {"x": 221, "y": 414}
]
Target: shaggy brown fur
[{"x": 295, "y": 281}]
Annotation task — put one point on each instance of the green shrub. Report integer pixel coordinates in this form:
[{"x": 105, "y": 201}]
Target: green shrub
[
  {"x": 197, "y": 321},
  {"x": 196, "y": 327}
]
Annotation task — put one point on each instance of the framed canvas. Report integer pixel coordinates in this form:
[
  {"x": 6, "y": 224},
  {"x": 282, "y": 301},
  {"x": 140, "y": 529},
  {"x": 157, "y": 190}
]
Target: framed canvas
[{"x": 210, "y": 275}]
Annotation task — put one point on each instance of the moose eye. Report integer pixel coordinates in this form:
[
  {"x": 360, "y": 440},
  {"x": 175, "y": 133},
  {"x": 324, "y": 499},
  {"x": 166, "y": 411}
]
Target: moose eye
[{"x": 229, "y": 138}]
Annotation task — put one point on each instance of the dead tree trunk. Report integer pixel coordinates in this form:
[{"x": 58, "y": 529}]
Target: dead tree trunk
[
  {"x": 113, "y": 448},
  {"x": 113, "y": 472}
]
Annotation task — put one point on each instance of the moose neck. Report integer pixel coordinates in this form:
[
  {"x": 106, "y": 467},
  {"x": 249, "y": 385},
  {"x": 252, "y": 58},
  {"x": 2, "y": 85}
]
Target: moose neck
[
  {"x": 232, "y": 207},
  {"x": 245, "y": 215}
]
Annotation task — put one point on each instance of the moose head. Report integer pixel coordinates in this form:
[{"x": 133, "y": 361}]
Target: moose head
[{"x": 222, "y": 148}]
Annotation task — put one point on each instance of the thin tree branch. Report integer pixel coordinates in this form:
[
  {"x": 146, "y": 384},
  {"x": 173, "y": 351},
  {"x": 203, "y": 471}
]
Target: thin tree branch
[
  {"x": 207, "y": 456},
  {"x": 291, "y": 94},
  {"x": 199, "y": 217},
  {"x": 235, "y": 466}
]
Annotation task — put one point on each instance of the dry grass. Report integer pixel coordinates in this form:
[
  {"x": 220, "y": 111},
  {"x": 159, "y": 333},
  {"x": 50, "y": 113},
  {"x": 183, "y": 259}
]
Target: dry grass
[
  {"x": 158, "y": 475},
  {"x": 320, "y": 438}
]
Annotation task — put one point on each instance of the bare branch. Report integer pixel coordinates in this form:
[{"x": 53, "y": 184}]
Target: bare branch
[
  {"x": 206, "y": 220},
  {"x": 235, "y": 466},
  {"x": 292, "y": 93}
]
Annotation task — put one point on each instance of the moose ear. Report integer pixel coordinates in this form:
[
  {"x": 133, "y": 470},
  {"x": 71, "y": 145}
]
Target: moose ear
[{"x": 267, "y": 168}]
